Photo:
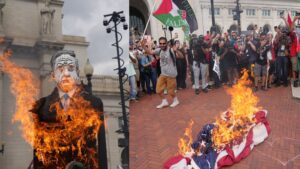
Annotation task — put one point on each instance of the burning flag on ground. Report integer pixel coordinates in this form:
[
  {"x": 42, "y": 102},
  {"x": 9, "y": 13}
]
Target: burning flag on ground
[{"x": 231, "y": 138}]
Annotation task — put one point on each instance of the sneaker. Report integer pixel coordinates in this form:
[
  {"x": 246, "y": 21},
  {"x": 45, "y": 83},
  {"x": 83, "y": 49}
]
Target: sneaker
[
  {"x": 205, "y": 90},
  {"x": 163, "y": 104},
  {"x": 209, "y": 87},
  {"x": 296, "y": 84},
  {"x": 194, "y": 87},
  {"x": 175, "y": 103},
  {"x": 197, "y": 91}
]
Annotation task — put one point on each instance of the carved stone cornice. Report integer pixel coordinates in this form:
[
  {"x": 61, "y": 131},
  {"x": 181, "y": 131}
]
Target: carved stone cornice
[{"x": 49, "y": 45}]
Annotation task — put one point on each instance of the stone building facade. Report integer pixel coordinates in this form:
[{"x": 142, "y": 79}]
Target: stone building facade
[
  {"x": 33, "y": 30},
  {"x": 263, "y": 13}
]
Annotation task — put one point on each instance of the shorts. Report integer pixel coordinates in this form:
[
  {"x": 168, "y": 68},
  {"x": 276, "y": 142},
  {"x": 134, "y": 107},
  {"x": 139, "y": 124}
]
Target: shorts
[
  {"x": 260, "y": 70},
  {"x": 165, "y": 82},
  {"x": 294, "y": 61}
]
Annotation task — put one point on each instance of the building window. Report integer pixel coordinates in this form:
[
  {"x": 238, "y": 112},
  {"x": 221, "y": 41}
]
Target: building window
[
  {"x": 266, "y": 12},
  {"x": 250, "y": 12},
  {"x": 231, "y": 11},
  {"x": 217, "y": 11},
  {"x": 293, "y": 13},
  {"x": 280, "y": 12}
]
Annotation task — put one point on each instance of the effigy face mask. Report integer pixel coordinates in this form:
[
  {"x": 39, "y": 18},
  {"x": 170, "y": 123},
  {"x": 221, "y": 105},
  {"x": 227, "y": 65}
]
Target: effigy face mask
[{"x": 66, "y": 72}]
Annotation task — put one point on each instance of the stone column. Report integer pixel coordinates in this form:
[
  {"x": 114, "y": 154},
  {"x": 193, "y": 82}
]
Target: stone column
[
  {"x": 2, "y": 4},
  {"x": 1, "y": 100}
]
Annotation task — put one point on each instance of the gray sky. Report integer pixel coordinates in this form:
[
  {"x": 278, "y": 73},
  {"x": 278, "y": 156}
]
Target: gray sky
[{"x": 85, "y": 18}]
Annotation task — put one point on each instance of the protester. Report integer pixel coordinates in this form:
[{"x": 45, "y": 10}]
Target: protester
[
  {"x": 130, "y": 70},
  {"x": 181, "y": 66},
  {"x": 260, "y": 67},
  {"x": 167, "y": 78}
]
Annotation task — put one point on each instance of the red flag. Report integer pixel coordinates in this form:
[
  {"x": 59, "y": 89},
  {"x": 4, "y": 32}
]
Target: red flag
[{"x": 289, "y": 20}]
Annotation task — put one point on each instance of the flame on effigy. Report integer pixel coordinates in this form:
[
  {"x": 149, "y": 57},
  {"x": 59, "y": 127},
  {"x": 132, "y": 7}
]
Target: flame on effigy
[{"x": 78, "y": 124}]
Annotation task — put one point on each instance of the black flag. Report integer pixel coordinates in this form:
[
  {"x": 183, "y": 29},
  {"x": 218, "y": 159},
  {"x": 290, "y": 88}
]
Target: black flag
[{"x": 190, "y": 15}]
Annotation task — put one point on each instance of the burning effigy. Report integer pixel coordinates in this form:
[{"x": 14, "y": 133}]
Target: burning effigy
[
  {"x": 230, "y": 138},
  {"x": 62, "y": 131}
]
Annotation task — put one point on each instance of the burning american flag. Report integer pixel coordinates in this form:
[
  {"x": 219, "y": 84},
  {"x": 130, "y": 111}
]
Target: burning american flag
[{"x": 230, "y": 139}]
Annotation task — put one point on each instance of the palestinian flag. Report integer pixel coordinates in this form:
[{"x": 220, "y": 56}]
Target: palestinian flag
[
  {"x": 170, "y": 15},
  {"x": 177, "y": 13}
]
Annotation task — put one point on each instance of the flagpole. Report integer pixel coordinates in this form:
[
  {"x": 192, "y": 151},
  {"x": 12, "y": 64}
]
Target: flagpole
[{"x": 149, "y": 18}]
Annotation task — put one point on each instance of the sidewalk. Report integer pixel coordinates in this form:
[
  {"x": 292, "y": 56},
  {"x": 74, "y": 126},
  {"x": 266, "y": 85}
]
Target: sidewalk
[{"x": 154, "y": 133}]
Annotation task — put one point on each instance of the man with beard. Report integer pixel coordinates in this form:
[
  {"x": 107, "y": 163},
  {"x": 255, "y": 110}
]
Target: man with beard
[
  {"x": 52, "y": 115},
  {"x": 167, "y": 78},
  {"x": 260, "y": 67}
]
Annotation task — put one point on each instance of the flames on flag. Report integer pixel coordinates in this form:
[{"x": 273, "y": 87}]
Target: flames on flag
[
  {"x": 184, "y": 143},
  {"x": 231, "y": 126}
]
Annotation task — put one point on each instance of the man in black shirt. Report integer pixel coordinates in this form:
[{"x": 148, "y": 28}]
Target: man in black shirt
[{"x": 260, "y": 67}]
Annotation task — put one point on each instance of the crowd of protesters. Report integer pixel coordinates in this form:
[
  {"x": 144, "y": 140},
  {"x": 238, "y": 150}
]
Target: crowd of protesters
[{"x": 215, "y": 59}]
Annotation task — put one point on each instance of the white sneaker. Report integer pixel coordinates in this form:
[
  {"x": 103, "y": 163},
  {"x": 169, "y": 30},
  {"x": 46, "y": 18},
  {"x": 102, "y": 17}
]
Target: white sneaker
[
  {"x": 194, "y": 87},
  {"x": 175, "y": 103},
  {"x": 163, "y": 104}
]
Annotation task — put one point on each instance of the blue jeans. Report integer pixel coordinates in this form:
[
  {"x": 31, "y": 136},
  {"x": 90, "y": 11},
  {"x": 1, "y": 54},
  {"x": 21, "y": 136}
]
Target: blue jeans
[
  {"x": 132, "y": 84},
  {"x": 153, "y": 78},
  {"x": 146, "y": 81},
  {"x": 282, "y": 69}
]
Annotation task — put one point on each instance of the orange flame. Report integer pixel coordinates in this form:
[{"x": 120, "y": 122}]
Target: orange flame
[
  {"x": 75, "y": 126},
  {"x": 184, "y": 143},
  {"x": 73, "y": 132},
  {"x": 25, "y": 88},
  {"x": 237, "y": 121}
]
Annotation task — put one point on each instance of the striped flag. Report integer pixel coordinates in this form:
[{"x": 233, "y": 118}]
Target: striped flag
[
  {"x": 170, "y": 15},
  {"x": 177, "y": 13},
  {"x": 229, "y": 155}
]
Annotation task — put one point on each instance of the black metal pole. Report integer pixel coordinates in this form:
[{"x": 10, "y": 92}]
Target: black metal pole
[
  {"x": 89, "y": 83},
  {"x": 213, "y": 14},
  {"x": 2, "y": 149},
  {"x": 125, "y": 128},
  {"x": 164, "y": 29},
  {"x": 238, "y": 12}
]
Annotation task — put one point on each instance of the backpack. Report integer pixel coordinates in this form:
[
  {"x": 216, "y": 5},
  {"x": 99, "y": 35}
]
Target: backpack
[{"x": 172, "y": 56}]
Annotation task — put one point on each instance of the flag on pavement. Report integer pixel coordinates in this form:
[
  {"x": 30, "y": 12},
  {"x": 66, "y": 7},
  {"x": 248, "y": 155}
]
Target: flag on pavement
[{"x": 227, "y": 156}]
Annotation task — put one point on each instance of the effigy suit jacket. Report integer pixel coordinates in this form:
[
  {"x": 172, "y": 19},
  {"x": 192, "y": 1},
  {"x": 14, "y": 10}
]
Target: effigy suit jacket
[{"x": 48, "y": 115}]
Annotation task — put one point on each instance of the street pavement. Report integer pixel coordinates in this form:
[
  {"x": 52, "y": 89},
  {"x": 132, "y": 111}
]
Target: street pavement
[{"x": 154, "y": 133}]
